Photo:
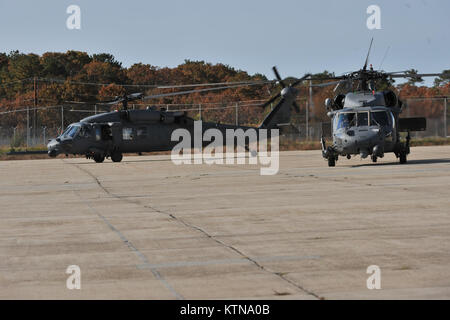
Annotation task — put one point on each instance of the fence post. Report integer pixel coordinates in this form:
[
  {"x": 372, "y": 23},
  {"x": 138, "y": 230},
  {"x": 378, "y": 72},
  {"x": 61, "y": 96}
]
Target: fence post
[
  {"x": 62, "y": 119},
  {"x": 28, "y": 126},
  {"x": 445, "y": 118},
  {"x": 200, "y": 111},
  {"x": 307, "y": 120},
  {"x": 311, "y": 101},
  {"x": 237, "y": 114},
  {"x": 34, "y": 111}
]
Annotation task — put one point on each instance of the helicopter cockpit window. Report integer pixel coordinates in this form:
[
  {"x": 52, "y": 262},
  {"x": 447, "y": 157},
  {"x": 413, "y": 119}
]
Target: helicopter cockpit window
[
  {"x": 363, "y": 119},
  {"x": 84, "y": 132},
  {"x": 346, "y": 120},
  {"x": 66, "y": 131},
  {"x": 98, "y": 133},
  {"x": 127, "y": 133},
  {"x": 379, "y": 118},
  {"x": 71, "y": 131}
]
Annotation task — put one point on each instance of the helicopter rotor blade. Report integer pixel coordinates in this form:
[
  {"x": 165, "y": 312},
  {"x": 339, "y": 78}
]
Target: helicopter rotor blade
[
  {"x": 326, "y": 84},
  {"x": 272, "y": 114},
  {"x": 139, "y": 95},
  {"x": 271, "y": 100},
  {"x": 320, "y": 78},
  {"x": 262, "y": 82},
  {"x": 162, "y": 95},
  {"x": 118, "y": 99},
  {"x": 418, "y": 75},
  {"x": 396, "y": 72},
  {"x": 135, "y": 96},
  {"x": 110, "y": 103},
  {"x": 428, "y": 74},
  {"x": 277, "y": 75},
  {"x": 296, "y": 82}
]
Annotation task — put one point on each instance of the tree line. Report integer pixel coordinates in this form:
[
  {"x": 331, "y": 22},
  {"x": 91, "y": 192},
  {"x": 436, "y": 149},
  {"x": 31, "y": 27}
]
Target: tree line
[{"x": 75, "y": 76}]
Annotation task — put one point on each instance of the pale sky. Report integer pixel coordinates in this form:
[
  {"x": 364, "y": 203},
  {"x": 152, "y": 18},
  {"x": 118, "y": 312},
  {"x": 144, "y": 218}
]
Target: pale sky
[{"x": 252, "y": 35}]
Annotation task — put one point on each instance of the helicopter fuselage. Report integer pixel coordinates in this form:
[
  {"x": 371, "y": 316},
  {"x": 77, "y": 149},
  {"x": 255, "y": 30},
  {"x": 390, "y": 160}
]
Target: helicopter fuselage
[
  {"x": 366, "y": 124},
  {"x": 365, "y": 131},
  {"x": 135, "y": 131}
]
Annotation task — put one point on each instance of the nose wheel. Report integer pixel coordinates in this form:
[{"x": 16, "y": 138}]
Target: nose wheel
[{"x": 328, "y": 153}]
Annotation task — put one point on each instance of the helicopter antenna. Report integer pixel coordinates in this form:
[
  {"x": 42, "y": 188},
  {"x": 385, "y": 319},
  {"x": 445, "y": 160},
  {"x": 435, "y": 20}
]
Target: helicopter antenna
[
  {"x": 384, "y": 57},
  {"x": 368, "y": 53}
]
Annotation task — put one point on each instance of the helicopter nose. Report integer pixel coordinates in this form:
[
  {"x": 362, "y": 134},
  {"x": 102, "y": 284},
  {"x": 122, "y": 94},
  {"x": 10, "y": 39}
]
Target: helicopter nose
[
  {"x": 354, "y": 141},
  {"x": 53, "y": 148},
  {"x": 368, "y": 142}
]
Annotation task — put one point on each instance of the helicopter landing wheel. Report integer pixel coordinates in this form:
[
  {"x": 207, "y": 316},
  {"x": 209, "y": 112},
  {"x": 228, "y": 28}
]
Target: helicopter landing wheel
[
  {"x": 331, "y": 162},
  {"x": 116, "y": 157},
  {"x": 374, "y": 158},
  {"x": 403, "y": 159},
  {"x": 99, "y": 158}
]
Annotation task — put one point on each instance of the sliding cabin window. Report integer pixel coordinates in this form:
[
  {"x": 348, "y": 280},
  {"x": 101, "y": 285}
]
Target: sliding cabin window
[
  {"x": 142, "y": 132},
  {"x": 127, "y": 133}
]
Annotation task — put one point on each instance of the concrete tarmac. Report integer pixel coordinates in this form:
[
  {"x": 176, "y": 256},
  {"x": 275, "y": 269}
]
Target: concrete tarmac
[{"x": 148, "y": 229}]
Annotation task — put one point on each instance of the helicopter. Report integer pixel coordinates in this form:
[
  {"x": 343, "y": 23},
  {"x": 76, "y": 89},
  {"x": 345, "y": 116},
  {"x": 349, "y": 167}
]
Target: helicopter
[
  {"x": 366, "y": 121},
  {"x": 111, "y": 134}
]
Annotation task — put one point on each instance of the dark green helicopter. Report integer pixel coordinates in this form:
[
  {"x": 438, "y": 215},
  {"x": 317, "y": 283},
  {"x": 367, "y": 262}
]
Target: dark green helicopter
[
  {"x": 365, "y": 121},
  {"x": 112, "y": 134}
]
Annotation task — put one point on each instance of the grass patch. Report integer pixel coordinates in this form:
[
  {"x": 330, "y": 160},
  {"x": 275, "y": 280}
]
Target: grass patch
[
  {"x": 434, "y": 141},
  {"x": 291, "y": 145}
]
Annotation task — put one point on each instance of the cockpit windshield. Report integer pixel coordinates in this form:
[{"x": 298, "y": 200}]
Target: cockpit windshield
[
  {"x": 345, "y": 120},
  {"x": 363, "y": 119},
  {"x": 379, "y": 118},
  {"x": 71, "y": 131}
]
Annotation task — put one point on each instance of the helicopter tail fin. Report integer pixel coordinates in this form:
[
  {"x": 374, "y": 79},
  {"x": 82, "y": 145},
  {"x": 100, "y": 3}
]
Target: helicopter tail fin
[{"x": 279, "y": 116}]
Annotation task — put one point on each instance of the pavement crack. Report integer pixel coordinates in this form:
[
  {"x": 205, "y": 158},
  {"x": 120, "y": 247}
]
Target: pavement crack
[
  {"x": 128, "y": 243},
  {"x": 205, "y": 233},
  {"x": 239, "y": 252}
]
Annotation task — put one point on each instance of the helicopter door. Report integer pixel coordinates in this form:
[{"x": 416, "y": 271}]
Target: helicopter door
[
  {"x": 106, "y": 132},
  {"x": 116, "y": 135},
  {"x": 128, "y": 136}
]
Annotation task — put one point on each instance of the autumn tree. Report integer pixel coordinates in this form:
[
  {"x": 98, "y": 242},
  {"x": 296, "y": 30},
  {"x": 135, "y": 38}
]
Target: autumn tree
[{"x": 443, "y": 80}]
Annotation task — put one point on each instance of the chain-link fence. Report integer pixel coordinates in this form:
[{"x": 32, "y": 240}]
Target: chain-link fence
[
  {"x": 44, "y": 123},
  {"x": 435, "y": 109},
  {"x": 19, "y": 137}
]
